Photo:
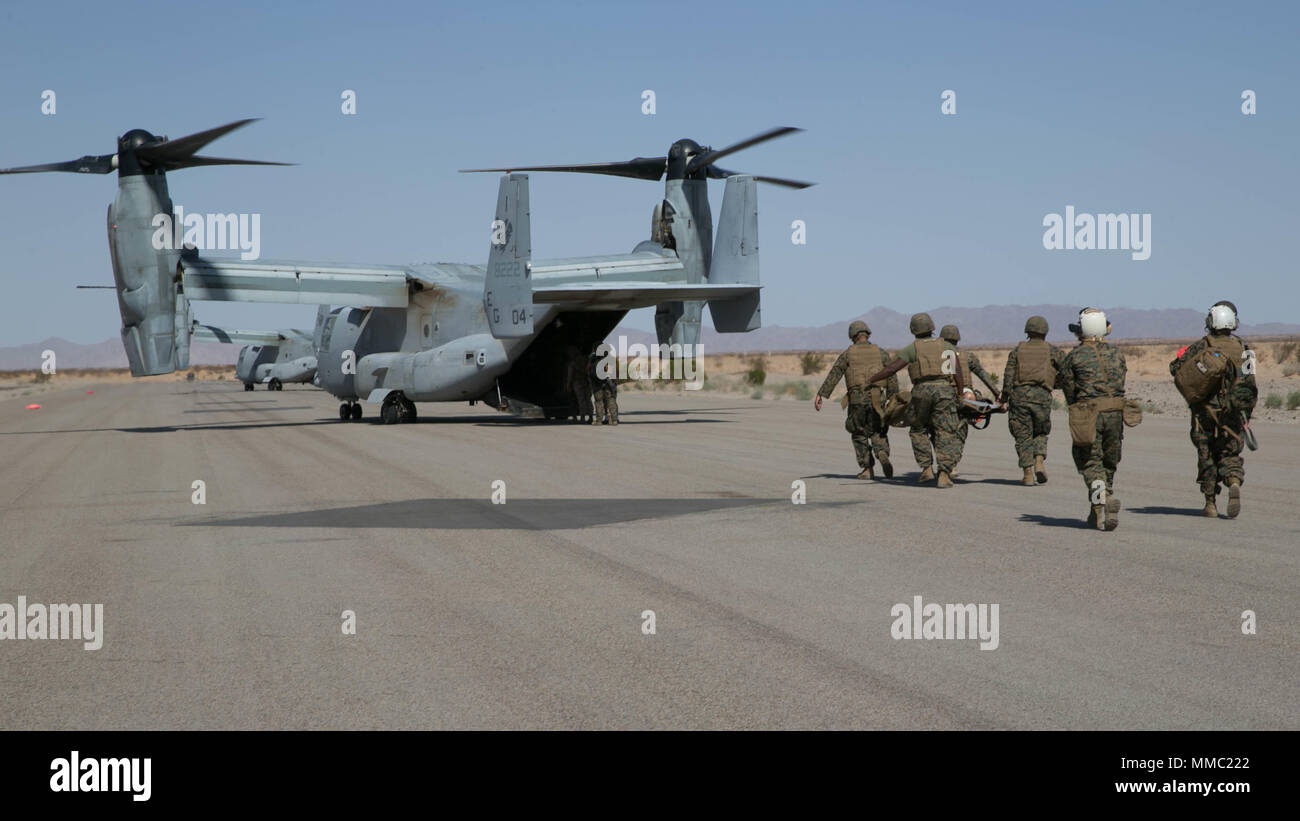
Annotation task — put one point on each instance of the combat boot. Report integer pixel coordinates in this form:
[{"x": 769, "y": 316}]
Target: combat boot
[
  {"x": 595, "y": 421},
  {"x": 1210, "y": 511},
  {"x": 1028, "y": 479},
  {"x": 1097, "y": 517},
  {"x": 944, "y": 479},
  {"x": 1234, "y": 497},
  {"x": 927, "y": 474},
  {"x": 1112, "y": 513},
  {"x": 887, "y": 467},
  {"x": 868, "y": 472},
  {"x": 1039, "y": 472}
]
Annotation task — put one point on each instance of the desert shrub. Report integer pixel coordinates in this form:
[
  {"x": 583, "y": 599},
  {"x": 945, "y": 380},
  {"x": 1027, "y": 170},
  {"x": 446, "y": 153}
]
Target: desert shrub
[
  {"x": 1057, "y": 404},
  {"x": 758, "y": 394},
  {"x": 1293, "y": 400},
  {"x": 40, "y": 378},
  {"x": 796, "y": 389},
  {"x": 1283, "y": 351},
  {"x": 811, "y": 363},
  {"x": 1273, "y": 401},
  {"x": 757, "y": 374},
  {"x": 1151, "y": 407},
  {"x": 1291, "y": 369}
]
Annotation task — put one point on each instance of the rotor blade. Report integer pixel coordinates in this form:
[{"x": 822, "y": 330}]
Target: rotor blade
[
  {"x": 86, "y": 165},
  {"x": 161, "y": 152},
  {"x": 716, "y": 173},
  {"x": 197, "y": 161},
  {"x": 97, "y": 287},
  {"x": 641, "y": 168},
  {"x": 709, "y": 157}
]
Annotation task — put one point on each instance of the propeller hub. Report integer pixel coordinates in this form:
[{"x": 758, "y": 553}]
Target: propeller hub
[
  {"x": 679, "y": 155},
  {"x": 135, "y": 138}
]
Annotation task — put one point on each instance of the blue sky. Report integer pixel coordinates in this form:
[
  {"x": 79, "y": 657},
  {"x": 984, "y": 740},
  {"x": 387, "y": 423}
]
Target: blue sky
[{"x": 1108, "y": 107}]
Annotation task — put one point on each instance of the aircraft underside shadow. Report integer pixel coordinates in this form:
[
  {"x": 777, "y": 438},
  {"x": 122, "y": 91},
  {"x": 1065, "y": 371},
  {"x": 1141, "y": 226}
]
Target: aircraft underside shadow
[{"x": 481, "y": 514}]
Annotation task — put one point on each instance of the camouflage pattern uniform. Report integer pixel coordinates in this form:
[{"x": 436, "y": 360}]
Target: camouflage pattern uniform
[
  {"x": 1097, "y": 369},
  {"x": 578, "y": 385},
  {"x": 863, "y": 421},
  {"x": 604, "y": 395},
  {"x": 933, "y": 410},
  {"x": 1029, "y": 404},
  {"x": 1218, "y": 426}
]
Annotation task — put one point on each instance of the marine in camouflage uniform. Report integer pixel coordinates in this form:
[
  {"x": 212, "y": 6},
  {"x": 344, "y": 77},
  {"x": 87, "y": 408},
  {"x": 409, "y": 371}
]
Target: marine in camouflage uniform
[
  {"x": 1095, "y": 372},
  {"x": 577, "y": 385},
  {"x": 1027, "y": 384},
  {"x": 604, "y": 394},
  {"x": 1219, "y": 424},
  {"x": 866, "y": 404},
  {"x": 970, "y": 368},
  {"x": 933, "y": 408}
]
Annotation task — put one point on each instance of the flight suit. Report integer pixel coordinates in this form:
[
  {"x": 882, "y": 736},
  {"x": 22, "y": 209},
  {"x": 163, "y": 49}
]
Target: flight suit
[
  {"x": 579, "y": 386},
  {"x": 1095, "y": 372},
  {"x": 1218, "y": 425},
  {"x": 604, "y": 396}
]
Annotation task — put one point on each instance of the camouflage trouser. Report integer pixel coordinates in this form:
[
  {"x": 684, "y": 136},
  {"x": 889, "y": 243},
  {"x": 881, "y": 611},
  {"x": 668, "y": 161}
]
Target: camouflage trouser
[
  {"x": 582, "y": 399},
  {"x": 604, "y": 400},
  {"x": 1099, "y": 460},
  {"x": 1218, "y": 450},
  {"x": 933, "y": 411},
  {"x": 868, "y": 433},
  {"x": 1030, "y": 421}
]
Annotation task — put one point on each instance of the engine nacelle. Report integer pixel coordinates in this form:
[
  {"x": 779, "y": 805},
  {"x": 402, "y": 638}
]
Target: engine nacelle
[
  {"x": 463, "y": 369},
  {"x": 156, "y": 316}
]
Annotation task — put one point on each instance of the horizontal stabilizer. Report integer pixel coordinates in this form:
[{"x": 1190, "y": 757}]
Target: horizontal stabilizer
[
  {"x": 658, "y": 262},
  {"x": 236, "y": 336},
  {"x": 627, "y": 296},
  {"x": 293, "y": 282}
]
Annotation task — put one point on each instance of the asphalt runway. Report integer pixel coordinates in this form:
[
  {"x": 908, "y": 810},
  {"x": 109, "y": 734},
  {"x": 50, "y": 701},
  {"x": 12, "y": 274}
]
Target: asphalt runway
[{"x": 471, "y": 614}]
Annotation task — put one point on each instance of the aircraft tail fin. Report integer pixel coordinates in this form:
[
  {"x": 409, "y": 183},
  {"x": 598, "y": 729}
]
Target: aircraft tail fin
[
  {"x": 508, "y": 286},
  {"x": 322, "y": 314},
  {"x": 735, "y": 257}
]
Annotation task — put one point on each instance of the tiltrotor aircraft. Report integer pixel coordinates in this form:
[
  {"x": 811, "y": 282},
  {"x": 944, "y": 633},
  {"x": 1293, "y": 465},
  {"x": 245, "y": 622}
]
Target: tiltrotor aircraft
[
  {"x": 269, "y": 357},
  {"x": 445, "y": 331}
]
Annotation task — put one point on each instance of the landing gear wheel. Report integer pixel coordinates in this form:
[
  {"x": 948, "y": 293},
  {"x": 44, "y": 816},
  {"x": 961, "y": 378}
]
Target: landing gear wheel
[
  {"x": 356, "y": 411},
  {"x": 408, "y": 409},
  {"x": 275, "y": 385},
  {"x": 248, "y": 386},
  {"x": 391, "y": 411},
  {"x": 345, "y": 412}
]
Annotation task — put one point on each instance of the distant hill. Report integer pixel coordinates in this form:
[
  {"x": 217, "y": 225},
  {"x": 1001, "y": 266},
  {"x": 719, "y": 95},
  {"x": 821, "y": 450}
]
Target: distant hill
[
  {"x": 106, "y": 354},
  {"x": 992, "y": 324}
]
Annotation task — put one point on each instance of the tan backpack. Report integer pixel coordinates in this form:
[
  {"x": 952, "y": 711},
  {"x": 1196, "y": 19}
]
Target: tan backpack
[{"x": 1201, "y": 377}]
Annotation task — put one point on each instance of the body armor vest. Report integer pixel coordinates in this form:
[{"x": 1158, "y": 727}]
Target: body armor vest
[
  {"x": 1034, "y": 364},
  {"x": 865, "y": 360},
  {"x": 929, "y": 360}
]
